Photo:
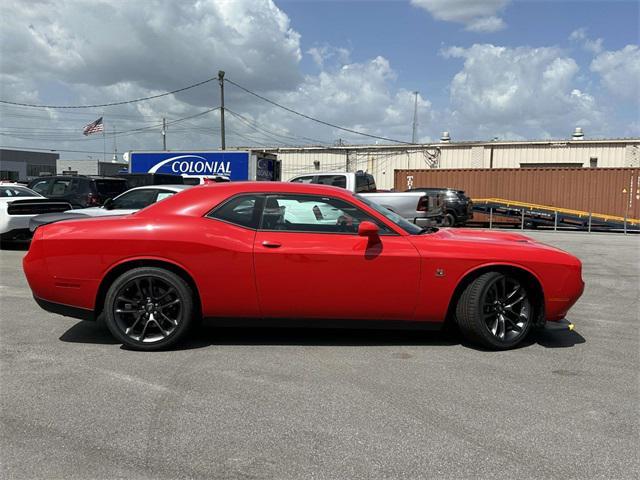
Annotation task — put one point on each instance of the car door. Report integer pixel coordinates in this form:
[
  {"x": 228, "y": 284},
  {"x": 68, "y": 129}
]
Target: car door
[{"x": 310, "y": 262}]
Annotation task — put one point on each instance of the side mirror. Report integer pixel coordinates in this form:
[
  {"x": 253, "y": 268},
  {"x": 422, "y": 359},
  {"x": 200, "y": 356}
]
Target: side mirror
[
  {"x": 368, "y": 229},
  {"x": 108, "y": 204}
]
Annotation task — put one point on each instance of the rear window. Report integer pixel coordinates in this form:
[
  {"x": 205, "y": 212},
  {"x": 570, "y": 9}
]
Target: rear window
[
  {"x": 17, "y": 192},
  {"x": 333, "y": 180},
  {"x": 372, "y": 183},
  {"x": 110, "y": 188},
  {"x": 365, "y": 183}
]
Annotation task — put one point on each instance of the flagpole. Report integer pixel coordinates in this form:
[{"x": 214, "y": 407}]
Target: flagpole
[{"x": 104, "y": 141}]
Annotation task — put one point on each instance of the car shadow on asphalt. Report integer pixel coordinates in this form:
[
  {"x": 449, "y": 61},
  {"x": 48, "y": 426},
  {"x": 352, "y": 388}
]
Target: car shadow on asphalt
[
  {"x": 207, "y": 335},
  {"x": 556, "y": 339},
  {"x": 89, "y": 332}
]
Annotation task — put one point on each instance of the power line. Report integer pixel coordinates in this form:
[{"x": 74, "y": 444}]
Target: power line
[
  {"x": 67, "y": 137},
  {"x": 49, "y": 149},
  {"x": 112, "y": 104},
  {"x": 332, "y": 125}
]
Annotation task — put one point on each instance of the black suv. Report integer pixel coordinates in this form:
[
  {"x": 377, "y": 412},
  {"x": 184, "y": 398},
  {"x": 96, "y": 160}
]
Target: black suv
[
  {"x": 144, "y": 179},
  {"x": 457, "y": 207},
  {"x": 79, "y": 190}
]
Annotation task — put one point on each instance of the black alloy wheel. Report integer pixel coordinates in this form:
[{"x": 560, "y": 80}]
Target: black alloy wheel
[
  {"x": 149, "y": 308},
  {"x": 495, "y": 310}
]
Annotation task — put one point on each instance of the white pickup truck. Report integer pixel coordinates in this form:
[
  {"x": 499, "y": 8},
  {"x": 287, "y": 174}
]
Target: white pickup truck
[{"x": 421, "y": 208}]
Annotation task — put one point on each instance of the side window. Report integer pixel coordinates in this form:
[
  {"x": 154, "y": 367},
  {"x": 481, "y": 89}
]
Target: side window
[
  {"x": 75, "y": 186},
  {"x": 333, "y": 180},
  {"x": 60, "y": 187},
  {"x": 308, "y": 179},
  {"x": 240, "y": 210},
  {"x": 41, "y": 187},
  {"x": 308, "y": 213},
  {"x": 164, "y": 194},
  {"x": 135, "y": 200}
]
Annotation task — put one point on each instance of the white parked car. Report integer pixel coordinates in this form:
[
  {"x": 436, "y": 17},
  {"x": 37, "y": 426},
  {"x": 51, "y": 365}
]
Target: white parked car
[
  {"x": 18, "y": 204},
  {"x": 124, "y": 204}
]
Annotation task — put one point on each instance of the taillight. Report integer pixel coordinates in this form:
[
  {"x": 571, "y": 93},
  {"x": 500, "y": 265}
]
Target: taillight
[
  {"x": 423, "y": 204},
  {"x": 92, "y": 200}
]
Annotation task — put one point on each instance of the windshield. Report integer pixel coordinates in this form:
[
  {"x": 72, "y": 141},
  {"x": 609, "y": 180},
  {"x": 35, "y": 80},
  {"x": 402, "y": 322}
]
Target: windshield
[
  {"x": 17, "y": 192},
  {"x": 393, "y": 217}
]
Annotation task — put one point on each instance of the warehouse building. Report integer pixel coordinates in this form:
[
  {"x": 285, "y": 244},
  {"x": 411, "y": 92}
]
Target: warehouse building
[
  {"x": 23, "y": 165},
  {"x": 383, "y": 160},
  {"x": 91, "y": 167}
]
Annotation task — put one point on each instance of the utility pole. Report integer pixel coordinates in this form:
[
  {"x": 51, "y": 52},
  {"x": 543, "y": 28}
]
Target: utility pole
[
  {"x": 415, "y": 119},
  {"x": 164, "y": 134},
  {"x": 115, "y": 145},
  {"x": 221, "y": 82}
]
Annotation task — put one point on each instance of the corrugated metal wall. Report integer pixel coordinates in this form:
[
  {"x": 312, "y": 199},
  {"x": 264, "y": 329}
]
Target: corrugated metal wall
[
  {"x": 383, "y": 160},
  {"x": 612, "y": 191}
]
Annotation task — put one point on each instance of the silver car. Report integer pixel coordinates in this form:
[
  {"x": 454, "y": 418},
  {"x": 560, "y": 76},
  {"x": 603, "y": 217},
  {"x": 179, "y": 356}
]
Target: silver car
[{"x": 124, "y": 204}]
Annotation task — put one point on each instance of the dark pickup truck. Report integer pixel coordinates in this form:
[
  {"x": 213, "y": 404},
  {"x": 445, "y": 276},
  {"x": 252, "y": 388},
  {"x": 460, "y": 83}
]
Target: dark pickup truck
[{"x": 457, "y": 207}]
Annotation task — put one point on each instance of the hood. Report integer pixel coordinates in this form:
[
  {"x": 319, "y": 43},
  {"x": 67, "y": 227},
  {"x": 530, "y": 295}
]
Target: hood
[
  {"x": 486, "y": 244},
  {"x": 469, "y": 235}
]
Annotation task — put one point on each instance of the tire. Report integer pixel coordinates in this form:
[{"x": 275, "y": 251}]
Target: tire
[
  {"x": 495, "y": 311},
  {"x": 149, "y": 308},
  {"x": 449, "y": 220}
]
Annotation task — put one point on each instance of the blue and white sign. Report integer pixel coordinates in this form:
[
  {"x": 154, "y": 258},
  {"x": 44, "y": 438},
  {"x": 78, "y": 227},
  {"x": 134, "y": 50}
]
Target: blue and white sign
[{"x": 234, "y": 165}]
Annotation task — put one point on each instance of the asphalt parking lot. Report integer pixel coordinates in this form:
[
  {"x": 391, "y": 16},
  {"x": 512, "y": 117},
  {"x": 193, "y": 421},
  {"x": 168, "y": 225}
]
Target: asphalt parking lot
[{"x": 328, "y": 404}]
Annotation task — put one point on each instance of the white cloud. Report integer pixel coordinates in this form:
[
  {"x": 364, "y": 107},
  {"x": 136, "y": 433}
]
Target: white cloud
[
  {"x": 486, "y": 24},
  {"x": 620, "y": 72},
  {"x": 476, "y": 15},
  {"x": 100, "y": 43},
  {"x": 580, "y": 36},
  {"x": 527, "y": 90},
  {"x": 358, "y": 96},
  {"x": 95, "y": 51},
  {"x": 321, "y": 55}
]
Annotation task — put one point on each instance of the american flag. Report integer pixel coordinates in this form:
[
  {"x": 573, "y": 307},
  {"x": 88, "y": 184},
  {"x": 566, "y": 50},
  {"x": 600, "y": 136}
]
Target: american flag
[{"x": 93, "y": 127}]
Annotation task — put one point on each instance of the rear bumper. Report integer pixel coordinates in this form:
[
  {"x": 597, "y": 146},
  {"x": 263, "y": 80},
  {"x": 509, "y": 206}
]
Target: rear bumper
[
  {"x": 428, "y": 221},
  {"x": 17, "y": 235},
  {"x": 65, "y": 310}
]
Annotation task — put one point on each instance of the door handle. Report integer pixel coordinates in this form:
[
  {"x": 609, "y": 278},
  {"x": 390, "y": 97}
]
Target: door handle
[{"x": 269, "y": 244}]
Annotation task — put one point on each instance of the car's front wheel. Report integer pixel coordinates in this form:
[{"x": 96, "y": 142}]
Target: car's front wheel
[
  {"x": 495, "y": 310},
  {"x": 149, "y": 308}
]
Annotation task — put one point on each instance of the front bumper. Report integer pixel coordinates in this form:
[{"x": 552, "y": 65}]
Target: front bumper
[{"x": 559, "y": 325}]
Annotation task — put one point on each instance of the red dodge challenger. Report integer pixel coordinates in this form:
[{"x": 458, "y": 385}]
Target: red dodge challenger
[{"x": 290, "y": 251}]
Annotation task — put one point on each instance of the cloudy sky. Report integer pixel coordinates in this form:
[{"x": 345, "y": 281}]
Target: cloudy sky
[{"x": 494, "y": 68}]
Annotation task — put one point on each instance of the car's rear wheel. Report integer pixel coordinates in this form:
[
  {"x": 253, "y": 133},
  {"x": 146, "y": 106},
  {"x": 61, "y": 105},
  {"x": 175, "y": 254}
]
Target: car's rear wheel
[
  {"x": 495, "y": 310},
  {"x": 149, "y": 308},
  {"x": 449, "y": 220}
]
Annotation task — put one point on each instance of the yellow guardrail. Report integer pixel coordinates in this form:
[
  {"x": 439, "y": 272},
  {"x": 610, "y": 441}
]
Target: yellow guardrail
[{"x": 535, "y": 206}]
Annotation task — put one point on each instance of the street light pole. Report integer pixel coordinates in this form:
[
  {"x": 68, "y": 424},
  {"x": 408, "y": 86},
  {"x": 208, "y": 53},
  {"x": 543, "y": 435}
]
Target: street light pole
[{"x": 221, "y": 82}]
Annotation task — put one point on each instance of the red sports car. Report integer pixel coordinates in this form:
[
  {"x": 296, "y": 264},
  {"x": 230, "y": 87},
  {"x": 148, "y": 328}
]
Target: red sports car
[{"x": 290, "y": 251}]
